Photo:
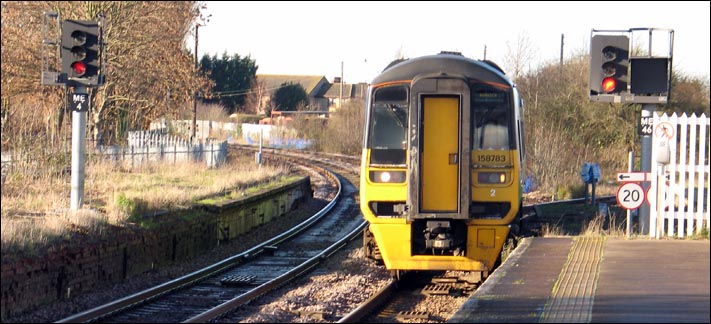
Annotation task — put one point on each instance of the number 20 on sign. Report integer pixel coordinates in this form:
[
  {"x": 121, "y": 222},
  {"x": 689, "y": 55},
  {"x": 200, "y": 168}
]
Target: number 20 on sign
[{"x": 630, "y": 195}]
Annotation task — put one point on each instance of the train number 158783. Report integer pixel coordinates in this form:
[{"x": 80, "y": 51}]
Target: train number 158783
[{"x": 491, "y": 158}]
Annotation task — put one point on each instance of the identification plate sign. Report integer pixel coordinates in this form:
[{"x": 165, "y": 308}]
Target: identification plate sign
[
  {"x": 79, "y": 102},
  {"x": 645, "y": 126}
]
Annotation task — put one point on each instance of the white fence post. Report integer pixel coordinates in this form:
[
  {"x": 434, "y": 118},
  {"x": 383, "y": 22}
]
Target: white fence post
[
  {"x": 684, "y": 206},
  {"x": 702, "y": 173},
  {"x": 155, "y": 145}
]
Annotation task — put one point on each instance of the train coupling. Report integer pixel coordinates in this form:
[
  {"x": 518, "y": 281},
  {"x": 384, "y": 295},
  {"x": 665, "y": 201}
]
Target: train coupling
[{"x": 438, "y": 235}]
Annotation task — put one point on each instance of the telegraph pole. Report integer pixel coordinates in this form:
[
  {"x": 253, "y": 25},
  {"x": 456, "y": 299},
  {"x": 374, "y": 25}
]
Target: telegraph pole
[
  {"x": 562, "y": 43},
  {"x": 197, "y": 26},
  {"x": 340, "y": 96},
  {"x": 195, "y": 93}
]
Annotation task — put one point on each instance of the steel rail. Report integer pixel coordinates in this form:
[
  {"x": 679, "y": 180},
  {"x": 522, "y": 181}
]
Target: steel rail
[{"x": 142, "y": 296}]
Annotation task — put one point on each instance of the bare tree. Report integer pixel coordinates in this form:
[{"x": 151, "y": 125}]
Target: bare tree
[
  {"x": 254, "y": 103},
  {"x": 399, "y": 54},
  {"x": 519, "y": 56},
  {"x": 149, "y": 72}
]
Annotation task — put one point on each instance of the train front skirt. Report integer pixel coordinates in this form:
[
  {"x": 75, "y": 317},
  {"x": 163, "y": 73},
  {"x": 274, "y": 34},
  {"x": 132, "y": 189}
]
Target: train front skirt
[{"x": 484, "y": 243}]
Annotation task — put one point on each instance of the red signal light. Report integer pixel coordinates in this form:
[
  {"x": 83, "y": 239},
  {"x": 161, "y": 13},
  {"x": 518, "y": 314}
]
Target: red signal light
[
  {"x": 81, "y": 44},
  {"x": 79, "y": 68},
  {"x": 78, "y": 53},
  {"x": 609, "y": 84}
]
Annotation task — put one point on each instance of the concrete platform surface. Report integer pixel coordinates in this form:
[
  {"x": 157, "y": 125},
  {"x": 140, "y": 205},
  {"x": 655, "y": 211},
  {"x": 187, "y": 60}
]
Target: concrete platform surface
[{"x": 596, "y": 280}]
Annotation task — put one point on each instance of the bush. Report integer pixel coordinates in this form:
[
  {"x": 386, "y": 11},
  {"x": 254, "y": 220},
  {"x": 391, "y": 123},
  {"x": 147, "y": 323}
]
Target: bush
[
  {"x": 124, "y": 206},
  {"x": 131, "y": 209},
  {"x": 344, "y": 131},
  {"x": 562, "y": 192},
  {"x": 570, "y": 191},
  {"x": 214, "y": 112},
  {"x": 248, "y": 119},
  {"x": 578, "y": 190}
]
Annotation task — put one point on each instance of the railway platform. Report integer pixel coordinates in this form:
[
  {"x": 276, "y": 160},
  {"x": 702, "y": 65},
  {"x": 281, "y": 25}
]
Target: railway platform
[{"x": 596, "y": 280}]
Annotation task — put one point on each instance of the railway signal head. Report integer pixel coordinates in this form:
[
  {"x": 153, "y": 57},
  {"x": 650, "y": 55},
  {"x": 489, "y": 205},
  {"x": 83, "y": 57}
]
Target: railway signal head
[
  {"x": 609, "y": 62},
  {"x": 80, "y": 52},
  {"x": 649, "y": 76}
]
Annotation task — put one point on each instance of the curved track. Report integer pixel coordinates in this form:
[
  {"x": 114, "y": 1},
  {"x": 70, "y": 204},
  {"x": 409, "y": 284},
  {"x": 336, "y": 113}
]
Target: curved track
[
  {"x": 210, "y": 292},
  {"x": 244, "y": 277}
]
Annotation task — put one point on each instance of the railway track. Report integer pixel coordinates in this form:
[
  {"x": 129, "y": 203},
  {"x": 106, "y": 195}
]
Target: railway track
[
  {"x": 428, "y": 299},
  {"x": 416, "y": 302},
  {"x": 212, "y": 291},
  {"x": 423, "y": 298}
]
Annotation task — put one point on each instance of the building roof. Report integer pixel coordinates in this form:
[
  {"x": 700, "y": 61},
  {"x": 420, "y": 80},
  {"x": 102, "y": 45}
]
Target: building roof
[
  {"x": 315, "y": 85},
  {"x": 349, "y": 90},
  {"x": 334, "y": 90}
]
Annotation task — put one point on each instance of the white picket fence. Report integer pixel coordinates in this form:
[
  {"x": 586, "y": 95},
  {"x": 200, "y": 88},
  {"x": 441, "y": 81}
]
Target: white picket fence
[
  {"x": 155, "y": 145},
  {"x": 679, "y": 193}
]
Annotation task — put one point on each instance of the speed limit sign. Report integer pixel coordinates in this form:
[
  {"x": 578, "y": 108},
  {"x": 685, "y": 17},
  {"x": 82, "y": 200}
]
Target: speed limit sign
[{"x": 630, "y": 195}]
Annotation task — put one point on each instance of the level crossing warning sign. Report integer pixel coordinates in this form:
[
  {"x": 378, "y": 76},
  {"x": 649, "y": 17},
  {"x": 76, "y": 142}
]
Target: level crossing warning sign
[{"x": 664, "y": 130}]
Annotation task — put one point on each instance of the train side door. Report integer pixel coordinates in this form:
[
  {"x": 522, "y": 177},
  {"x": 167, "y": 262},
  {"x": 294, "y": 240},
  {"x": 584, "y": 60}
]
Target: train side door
[{"x": 440, "y": 153}]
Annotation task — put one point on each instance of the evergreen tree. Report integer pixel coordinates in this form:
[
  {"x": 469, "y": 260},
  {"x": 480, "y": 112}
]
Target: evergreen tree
[
  {"x": 290, "y": 97},
  {"x": 232, "y": 76}
]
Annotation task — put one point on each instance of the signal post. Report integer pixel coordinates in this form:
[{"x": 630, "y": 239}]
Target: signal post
[
  {"x": 638, "y": 76},
  {"x": 80, "y": 51}
]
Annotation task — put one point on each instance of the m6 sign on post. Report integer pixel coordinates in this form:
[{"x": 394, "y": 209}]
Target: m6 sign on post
[{"x": 630, "y": 195}]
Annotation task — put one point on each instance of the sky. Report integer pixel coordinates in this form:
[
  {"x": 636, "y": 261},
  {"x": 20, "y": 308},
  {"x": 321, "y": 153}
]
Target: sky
[{"x": 358, "y": 39}]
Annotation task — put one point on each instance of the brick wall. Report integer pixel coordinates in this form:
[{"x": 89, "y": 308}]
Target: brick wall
[{"x": 83, "y": 263}]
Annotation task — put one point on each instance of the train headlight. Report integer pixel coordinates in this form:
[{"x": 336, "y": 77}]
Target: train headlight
[
  {"x": 387, "y": 176},
  {"x": 492, "y": 177}
]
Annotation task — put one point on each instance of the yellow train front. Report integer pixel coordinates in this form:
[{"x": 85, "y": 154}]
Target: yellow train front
[{"x": 441, "y": 166}]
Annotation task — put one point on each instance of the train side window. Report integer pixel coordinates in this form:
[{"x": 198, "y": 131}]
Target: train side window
[
  {"x": 521, "y": 139},
  {"x": 388, "y": 126}
]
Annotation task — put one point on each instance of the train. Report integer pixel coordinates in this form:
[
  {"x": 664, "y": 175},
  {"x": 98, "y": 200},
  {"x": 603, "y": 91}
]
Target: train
[{"x": 442, "y": 164}]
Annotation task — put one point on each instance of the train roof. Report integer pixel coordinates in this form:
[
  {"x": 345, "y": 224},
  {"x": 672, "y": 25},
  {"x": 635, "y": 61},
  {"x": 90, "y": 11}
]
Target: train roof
[{"x": 445, "y": 63}]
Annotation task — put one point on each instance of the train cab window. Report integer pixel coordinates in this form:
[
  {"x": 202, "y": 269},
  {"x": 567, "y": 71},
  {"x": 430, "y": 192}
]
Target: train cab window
[
  {"x": 491, "y": 117},
  {"x": 388, "y": 126}
]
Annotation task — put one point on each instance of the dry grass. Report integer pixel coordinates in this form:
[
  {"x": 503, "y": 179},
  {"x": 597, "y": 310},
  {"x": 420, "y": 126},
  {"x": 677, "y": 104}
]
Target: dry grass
[
  {"x": 604, "y": 226},
  {"x": 586, "y": 222},
  {"x": 35, "y": 210},
  {"x": 548, "y": 230},
  {"x": 607, "y": 222}
]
